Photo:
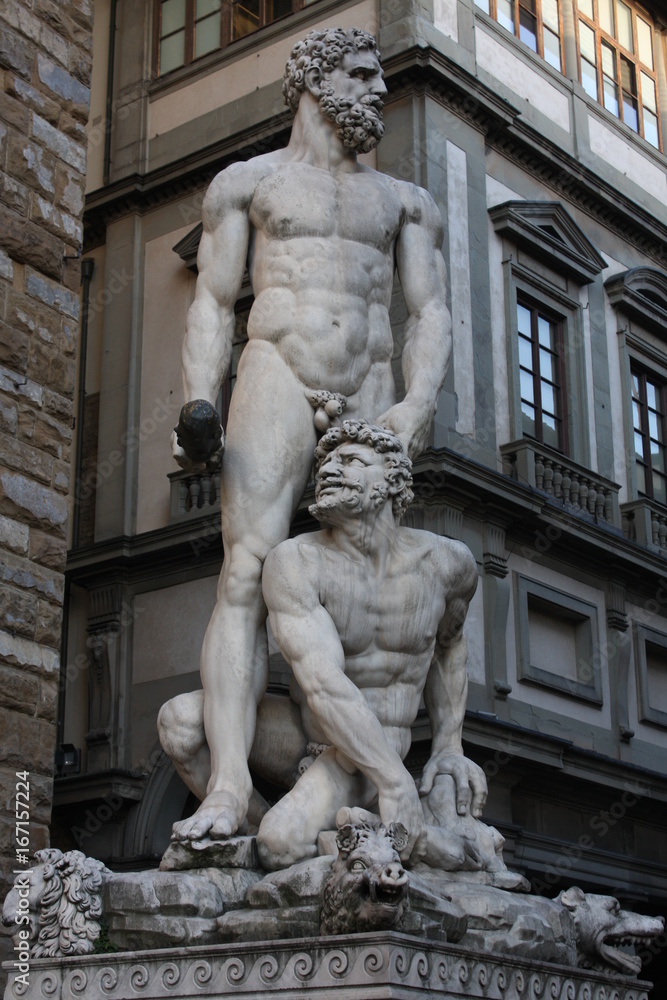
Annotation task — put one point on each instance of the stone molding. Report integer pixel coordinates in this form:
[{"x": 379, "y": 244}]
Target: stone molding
[{"x": 386, "y": 964}]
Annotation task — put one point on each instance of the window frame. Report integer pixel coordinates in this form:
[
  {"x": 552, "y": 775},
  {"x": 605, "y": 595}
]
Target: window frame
[
  {"x": 516, "y": 7},
  {"x": 602, "y": 36},
  {"x": 647, "y": 712},
  {"x": 225, "y": 32},
  {"x": 537, "y": 310},
  {"x": 583, "y": 615},
  {"x": 522, "y": 283},
  {"x": 642, "y": 370}
]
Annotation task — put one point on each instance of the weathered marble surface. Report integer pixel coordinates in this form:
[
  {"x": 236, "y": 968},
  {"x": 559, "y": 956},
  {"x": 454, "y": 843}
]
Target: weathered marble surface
[{"x": 379, "y": 965}]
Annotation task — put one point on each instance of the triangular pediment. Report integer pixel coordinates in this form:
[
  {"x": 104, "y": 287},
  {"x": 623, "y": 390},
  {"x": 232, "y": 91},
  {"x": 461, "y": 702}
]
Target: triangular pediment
[
  {"x": 187, "y": 247},
  {"x": 641, "y": 293},
  {"x": 549, "y": 233}
]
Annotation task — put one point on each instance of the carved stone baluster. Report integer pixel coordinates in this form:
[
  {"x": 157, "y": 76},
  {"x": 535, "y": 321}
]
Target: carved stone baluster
[
  {"x": 583, "y": 494},
  {"x": 655, "y": 537},
  {"x": 206, "y": 489},
  {"x": 539, "y": 471},
  {"x": 566, "y": 485},
  {"x": 216, "y": 487},
  {"x": 600, "y": 504},
  {"x": 195, "y": 490},
  {"x": 558, "y": 479},
  {"x": 575, "y": 490},
  {"x": 548, "y": 477},
  {"x": 662, "y": 531},
  {"x": 609, "y": 508},
  {"x": 182, "y": 496}
]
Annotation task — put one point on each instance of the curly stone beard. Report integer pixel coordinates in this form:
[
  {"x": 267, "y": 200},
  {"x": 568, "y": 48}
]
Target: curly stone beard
[{"x": 360, "y": 126}]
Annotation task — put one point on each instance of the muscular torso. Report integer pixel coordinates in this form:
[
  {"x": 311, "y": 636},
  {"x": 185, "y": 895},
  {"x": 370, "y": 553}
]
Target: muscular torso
[
  {"x": 321, "y": 264},
  {"x": 387, "y": 623}
]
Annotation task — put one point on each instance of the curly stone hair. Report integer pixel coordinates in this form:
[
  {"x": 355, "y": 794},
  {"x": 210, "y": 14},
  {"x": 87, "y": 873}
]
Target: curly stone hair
[
  {"x": 397, "y": 465},
  {"x": 323, "y": 50}
]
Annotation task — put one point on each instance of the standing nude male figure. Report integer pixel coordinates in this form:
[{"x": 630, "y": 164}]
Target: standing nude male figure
[{"x": 321, "y": 235}]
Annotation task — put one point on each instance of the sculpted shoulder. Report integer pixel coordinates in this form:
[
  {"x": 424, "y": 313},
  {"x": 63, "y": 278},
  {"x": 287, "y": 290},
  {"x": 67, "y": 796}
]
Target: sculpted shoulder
[
  {"x": 419, "y": 208},
  {"x": 290, "y": 571},
  {"x": 233, "y": 188},
  {"x": 449, "y": 560}
]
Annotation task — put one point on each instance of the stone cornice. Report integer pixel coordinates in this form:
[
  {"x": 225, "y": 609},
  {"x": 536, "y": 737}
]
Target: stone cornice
[{"x": 415, "y": 71}]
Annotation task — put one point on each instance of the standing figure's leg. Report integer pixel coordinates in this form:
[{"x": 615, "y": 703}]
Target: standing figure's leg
[{"x": 267, "y": 460}]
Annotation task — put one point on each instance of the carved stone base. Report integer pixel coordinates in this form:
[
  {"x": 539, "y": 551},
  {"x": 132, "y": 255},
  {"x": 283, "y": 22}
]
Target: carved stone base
[{"x": 380, "y": 965}]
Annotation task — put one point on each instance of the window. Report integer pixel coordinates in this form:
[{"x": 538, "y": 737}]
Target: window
[
  {"x": 535, "y": 22},
  {"x": 617, "y": 63},
  {"x": 557, "y": 635},
  {"x": 188, "y": 29},
  {"x": 541, "y": 376},
  {"x": 651, "y": 664},
  {"x": 648, "y": 424}
]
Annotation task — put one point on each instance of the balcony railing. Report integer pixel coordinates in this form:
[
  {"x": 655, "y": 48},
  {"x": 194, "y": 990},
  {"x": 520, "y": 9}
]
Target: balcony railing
[
  {"x": 645, "y": 522},
  {"x": 193, "y": 494},
  {"x": 579, "y": 490}
]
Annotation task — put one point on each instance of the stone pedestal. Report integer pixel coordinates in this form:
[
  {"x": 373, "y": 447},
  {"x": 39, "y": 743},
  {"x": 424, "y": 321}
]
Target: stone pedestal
[{"x": 360, "y": 967}]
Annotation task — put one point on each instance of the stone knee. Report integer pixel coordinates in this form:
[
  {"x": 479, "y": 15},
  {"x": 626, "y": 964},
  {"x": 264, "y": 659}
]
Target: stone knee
[
  {"x": 241, "y": 579},
  {"x": 180, "y": 726},
  {"x": 280, "y": 838}
]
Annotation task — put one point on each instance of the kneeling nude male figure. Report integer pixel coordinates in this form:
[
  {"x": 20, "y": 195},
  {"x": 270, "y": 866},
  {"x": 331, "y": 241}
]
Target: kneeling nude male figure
[
  {"x": 321, "y": 235},
  {"x": 370, "y": 616}
]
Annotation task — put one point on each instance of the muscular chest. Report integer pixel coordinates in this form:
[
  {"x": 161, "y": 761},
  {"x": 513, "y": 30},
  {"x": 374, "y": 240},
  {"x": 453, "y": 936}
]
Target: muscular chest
[
  {"x": 394, "y": 613},
  {"x": 301, "y": 201}
]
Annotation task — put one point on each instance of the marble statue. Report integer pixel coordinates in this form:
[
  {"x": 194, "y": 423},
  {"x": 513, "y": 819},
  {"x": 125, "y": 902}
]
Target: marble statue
[
  {"x": 55, "y": 906},
  {"x": 322, "y": 236},
  {"x": 367, "y": 888},
  {"x": 369, "y": 615}
]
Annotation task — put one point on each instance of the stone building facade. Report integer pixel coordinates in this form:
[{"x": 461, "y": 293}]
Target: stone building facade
[
  {"x": 45, "y": 60},
  {"x": 539, "y": 129}
]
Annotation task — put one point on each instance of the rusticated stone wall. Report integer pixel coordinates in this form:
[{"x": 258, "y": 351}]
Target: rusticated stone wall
[{"x": 45, "y": 63}]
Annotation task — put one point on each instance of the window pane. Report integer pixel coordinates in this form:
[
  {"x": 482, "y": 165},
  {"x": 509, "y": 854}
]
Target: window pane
[
  {"x": 608, "y": 60},
  {"x": 545, "y": 332},
  {"x": 628, "y": 76},
  {"x": 651, "y": 395},
  {"x": 205, "y": 7},
  {"x": 636, "y": 415},
  {"x": 173, "y": 16},
  {"x": 589, "y": 80},
  {"x": 639, "y": 444},
  {"x": 484, "y": 4},
  {"x": 624, "y": 26},
  {"x": 207, "y": 35},
  {"x": 641, "y": 478},
  {"x": 245, "y": 18},
  {"x": 586, "y": 7},
  {"x": 528, "y": 419},
  {"x": 610, "y": 96},
  {"x": 548, "y": 398},
  {"x": 547, "y": 365},
  {"x": 659, "y": 491},
  {"x": 550, "y": 14},
  {"x": 550, "y": 434},
  {"x": 657, "y": 458},
  {"x": 653, "y": 425},
  {"x": 523, "y": 319},
  {"x": 651, "y": 128},
  {"x": 644, "y": 43},
  {"x": 635, "y": 386},
  {"x": 527, "y": 390},
  {"x": 277, "y": 8},
  {"x": 172, "y": 52},
  {"x": 648, "y": 93},
  {"x": 630, "y": 112},
  {"x": 525, "y": 353},
  {"x": 606, "y": 16},
  {"x": 528, "y": 29},
  {"x": 587, "y": 42},
  {"x": 505, "y": 15},
  {"x": 552, "y": 49}
]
